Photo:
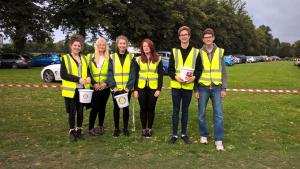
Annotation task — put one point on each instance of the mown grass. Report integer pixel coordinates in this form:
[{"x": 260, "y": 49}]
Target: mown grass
[{"x": 261, "y": 130}]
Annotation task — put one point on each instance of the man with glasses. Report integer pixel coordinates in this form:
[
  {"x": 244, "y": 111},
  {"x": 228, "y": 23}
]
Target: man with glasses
[
  {"x": 211, "y": 84},
  {"x": 182, "y": 89}
]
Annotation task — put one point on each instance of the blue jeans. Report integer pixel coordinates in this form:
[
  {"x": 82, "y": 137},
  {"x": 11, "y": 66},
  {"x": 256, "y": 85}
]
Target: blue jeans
[
  {"x": 177, "y": 96},
  {"x": 215, "y": 95}
]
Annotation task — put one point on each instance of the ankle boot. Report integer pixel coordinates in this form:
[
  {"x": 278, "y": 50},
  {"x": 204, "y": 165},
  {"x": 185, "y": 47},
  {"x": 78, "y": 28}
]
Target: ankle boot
[
  {"x": 73, "y": 135},
  {"x": 79, "y": 134}
]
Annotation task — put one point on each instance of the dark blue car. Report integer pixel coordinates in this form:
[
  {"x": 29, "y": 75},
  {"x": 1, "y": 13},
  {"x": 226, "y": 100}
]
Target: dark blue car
[
  {"x": 46, "y": 59},
  {"x": 165, "y": 57}
]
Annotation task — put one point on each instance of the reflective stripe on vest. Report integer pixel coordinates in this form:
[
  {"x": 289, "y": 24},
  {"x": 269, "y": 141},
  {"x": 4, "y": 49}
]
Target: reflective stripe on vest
[
  {"x": 121, "y": 73},
  {"x": 212, "y": 70},
  {"x": 148, "y": 73},
  {"x": 68, "y": 87},
  {"x": 98, "y": 75},
  {"x": 189, "y": 62}
]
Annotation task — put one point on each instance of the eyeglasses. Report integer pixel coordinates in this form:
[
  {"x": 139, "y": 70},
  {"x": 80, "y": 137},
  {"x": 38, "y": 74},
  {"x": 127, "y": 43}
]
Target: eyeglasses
[{"x": 184, "y": 35}]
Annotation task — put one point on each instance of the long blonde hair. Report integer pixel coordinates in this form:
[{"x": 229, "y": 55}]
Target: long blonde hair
[{"x": 106, "y": 52}]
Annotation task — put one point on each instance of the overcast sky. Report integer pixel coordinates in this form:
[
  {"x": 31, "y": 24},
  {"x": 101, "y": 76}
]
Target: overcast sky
[{"x": 282, "y": 16}]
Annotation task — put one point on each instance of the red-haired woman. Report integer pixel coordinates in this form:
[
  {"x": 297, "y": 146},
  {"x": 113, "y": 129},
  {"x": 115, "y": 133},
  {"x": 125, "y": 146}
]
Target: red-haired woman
[{"x": 148, "y": 84}]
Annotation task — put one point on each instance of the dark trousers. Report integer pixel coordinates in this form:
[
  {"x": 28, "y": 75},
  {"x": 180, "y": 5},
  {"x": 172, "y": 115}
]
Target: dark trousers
[
  {"x": 99, "y": 101},
  {"x": 183, "y": 96},
  {"x": 73, "y": 107},
  {"x": 117, "y": 112},
  {"x": 147, "y": 102}
]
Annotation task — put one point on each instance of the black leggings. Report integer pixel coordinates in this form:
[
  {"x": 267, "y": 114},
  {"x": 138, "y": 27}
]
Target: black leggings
[
  {"x": 117, "y": 113},
  {"x": 99, "y": 101},
  {"x": 73, "y": 106},
  {"x": 147, "y": 102}
]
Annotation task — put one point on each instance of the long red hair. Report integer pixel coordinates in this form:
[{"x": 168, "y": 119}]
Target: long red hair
[{"x": 153, "y": 55}]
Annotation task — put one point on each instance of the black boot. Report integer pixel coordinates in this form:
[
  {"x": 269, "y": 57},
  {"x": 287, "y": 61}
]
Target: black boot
[
  {"x": 116, "y": 133},
  {"x": 149, "y": 135},
  {"x": 144, "y": 133},
  {"x": 101, "y": 130},
  {"x": 73, "y": 137},
  {"x": 79, "y": 134},
  {"x": 126, "y": 132}
]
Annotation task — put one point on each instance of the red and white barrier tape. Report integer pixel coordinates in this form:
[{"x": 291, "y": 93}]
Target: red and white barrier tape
[
  {"x": 31, "y": 85},
  {"x": 230, "y": 90},
  {"x": 263, "y": 91}
]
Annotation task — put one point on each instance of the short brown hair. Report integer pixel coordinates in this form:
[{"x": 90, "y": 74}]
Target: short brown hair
[
  {"x": 76, "y": 38},
  {"x": 209, "y": 31},
  {"x": 184, "y": 28}
]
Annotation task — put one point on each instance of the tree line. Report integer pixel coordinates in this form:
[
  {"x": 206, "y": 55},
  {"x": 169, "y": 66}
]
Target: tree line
[{"x": 30, "y": 24}]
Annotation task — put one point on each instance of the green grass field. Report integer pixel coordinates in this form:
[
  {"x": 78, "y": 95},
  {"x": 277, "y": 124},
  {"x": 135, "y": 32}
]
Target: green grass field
[{"x": 261, "y": 129}]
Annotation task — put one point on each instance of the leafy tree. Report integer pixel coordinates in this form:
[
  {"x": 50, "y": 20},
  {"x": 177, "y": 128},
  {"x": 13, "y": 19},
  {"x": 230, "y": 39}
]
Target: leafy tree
[
  {"x": 233, "y": 27},
  {"x": 80, "y": 16},
  {"x": 296, "y": 47},
  {"x": 264, "y": 40},
  {"x": 139, "y": 19},
  {"x": 274, "y": 46},
  {"x": 285, "y": 50},
  {"x": 23, "y": 20}
]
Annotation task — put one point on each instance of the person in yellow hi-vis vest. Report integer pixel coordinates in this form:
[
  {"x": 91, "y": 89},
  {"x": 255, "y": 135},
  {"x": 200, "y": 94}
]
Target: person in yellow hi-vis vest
[
  {"x": 98, "y": 70},
  {"x": 120, "y": 80},
  {"x": 74, "y": 76},
  {"x": 211, "y": 84},
  {"x": 182, "y": 89},
  {"x": 148, "y": 84}
]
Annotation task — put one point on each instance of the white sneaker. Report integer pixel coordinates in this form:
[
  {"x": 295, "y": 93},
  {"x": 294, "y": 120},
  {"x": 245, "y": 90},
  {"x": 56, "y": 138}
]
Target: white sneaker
[
  {"x": 203, "y": 140},
  {"x": 219, "y": 145}
]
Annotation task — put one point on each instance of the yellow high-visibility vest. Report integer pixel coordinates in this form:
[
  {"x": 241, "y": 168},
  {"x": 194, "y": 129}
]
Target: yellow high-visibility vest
[
  {"x": 148, "y": 73},
  {"x": 189, "y": 62},
  {"x": 98, "y": 75},
  {"x": 121, "y": 73},
  {"x": 212, "y": 70},
  {"x": 68, "y": 87}
]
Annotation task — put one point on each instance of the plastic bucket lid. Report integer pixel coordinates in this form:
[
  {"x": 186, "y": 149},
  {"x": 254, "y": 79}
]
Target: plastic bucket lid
[
  {"x": 186, "y": 72},
  {"x": 85, "y": 95},
  {"x": 122, "y": 100}
]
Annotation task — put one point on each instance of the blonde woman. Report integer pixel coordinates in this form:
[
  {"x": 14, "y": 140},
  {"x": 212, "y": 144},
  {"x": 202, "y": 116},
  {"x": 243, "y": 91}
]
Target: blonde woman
[{"x": 98, "y": 69}]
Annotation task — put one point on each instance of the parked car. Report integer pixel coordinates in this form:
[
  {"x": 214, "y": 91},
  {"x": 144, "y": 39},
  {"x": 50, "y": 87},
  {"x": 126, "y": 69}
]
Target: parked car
[
  {"x": 51, "y": 73},
  {"x": 165, "y": 55},
  {"x": 15, "y": 60},
  {"x": 241, "y": 58},
  {"x": 259, "y": 59},
  {"x": 46, "y": 59},
  {"x": 165, "y": 65},
  {"x": 275, "y": 58},
  {"x": 297, "y": 62},
  {"x": 250, "y": 59},
  {"x": 229, "y": 60},
  {"x": 288, "y": 59}
]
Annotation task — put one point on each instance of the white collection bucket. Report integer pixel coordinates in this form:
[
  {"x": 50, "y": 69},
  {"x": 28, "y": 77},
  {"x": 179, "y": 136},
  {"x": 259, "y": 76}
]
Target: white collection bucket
[
  {"x": 85, "y": 95},
  {"x": 185, "y": 73},
  {"x": 122, "y": 100}
]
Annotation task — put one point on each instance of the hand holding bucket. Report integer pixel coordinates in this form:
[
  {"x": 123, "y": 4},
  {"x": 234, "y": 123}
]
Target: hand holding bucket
[
  {"x": 122, "y": 100},
  {"x": 186, "y": 73},
  {"x": 85, "y": 95}
]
